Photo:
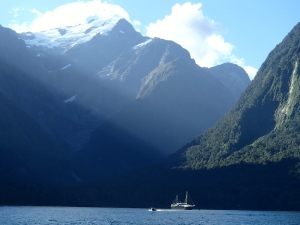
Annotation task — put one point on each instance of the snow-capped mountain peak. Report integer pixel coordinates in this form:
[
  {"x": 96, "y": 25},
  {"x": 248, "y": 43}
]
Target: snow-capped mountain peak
[{"x": 65, "y": 38}]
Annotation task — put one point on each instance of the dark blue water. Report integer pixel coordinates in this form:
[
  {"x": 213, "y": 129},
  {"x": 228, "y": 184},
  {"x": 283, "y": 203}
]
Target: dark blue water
[{"x": 70, "y": 215}]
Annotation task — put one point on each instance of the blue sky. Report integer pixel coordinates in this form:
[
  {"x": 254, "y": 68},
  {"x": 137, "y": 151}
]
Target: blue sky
[{"x": 214, "y": 31}]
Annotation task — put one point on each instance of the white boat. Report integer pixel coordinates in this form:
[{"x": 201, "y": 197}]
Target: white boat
[{"x": 187, "y": 204}]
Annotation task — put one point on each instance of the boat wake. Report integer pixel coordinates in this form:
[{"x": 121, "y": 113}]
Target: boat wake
[{"x": 166, "y": 210}]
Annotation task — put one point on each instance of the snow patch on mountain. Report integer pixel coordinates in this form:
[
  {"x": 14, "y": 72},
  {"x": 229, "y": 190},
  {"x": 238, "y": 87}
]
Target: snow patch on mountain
[
  {"x": 65, "y": 67},
  {"x": 67, "y": 37},
  {"x": 142, "y": 44},
  {"x": 70, "y": 99}
]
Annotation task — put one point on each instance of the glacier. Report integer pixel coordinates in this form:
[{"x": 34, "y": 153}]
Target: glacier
[{"x": 65, "y": 38}]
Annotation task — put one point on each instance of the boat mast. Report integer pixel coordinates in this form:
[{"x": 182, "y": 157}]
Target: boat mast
[{"x": 186, "y": 197}]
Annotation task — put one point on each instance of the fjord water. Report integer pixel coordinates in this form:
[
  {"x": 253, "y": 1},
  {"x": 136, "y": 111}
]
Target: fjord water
[{"x": 73, "y": 216}]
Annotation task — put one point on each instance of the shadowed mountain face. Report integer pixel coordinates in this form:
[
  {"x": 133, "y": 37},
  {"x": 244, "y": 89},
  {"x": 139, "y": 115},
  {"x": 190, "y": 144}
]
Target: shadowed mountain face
[
  {"x": 27, "y": 154},
  {"x": 175, "y": 104},
  {"x": 65, "y": 98},
  {"x": 174, "y": 101}
]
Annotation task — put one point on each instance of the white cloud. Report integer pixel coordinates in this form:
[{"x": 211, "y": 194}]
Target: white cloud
[
  {"x": 250, "y": 70},
  {"x": 35, "y": 11},
  {"x": 71, "y": 14},
  {"x": 137, "y": 25},
  {"x": 200, "y": 35},
  {"x": 15, "y": 12}
]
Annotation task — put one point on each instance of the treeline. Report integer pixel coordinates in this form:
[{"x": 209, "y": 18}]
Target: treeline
[{"x": 245, "y": 186}]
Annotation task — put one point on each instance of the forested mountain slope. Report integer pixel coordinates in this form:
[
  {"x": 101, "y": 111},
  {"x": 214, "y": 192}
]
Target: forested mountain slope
[{"x": 263, "y": 125}]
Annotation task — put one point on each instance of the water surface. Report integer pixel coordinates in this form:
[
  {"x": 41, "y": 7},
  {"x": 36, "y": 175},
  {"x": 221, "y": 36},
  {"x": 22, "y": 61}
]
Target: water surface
[{"x": 76, "y": 215}]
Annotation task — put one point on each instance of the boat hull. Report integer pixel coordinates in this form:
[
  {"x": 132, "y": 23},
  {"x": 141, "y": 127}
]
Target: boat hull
[{"x": 182, "y": 207}]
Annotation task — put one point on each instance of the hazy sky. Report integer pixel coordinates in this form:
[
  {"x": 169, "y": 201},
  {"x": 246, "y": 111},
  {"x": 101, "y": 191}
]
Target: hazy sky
[{"x": 214, "y": 31}]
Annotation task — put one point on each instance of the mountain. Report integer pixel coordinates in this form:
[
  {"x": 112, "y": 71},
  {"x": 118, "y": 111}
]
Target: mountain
[
  {"x": 263, "y": 124},
  {"x": 104, "y": 100},
  {"x": 232, "y": 76},
  {"x": 62, "y": 39},
  {"x": 251, "y": 157},
  {"x": 175, "y": 101},
  {"x": 25, "y": 81},
  {"x": 105, "y": 76},
  {"x": 65, "y": 62},
  {"x": 91, "y": 46},
  {"x": 24, "y": 147},
  {"x": 56, "y": 90},
  {"x": 162, "y": 122},
  {"x": 175, "y": 104}
]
